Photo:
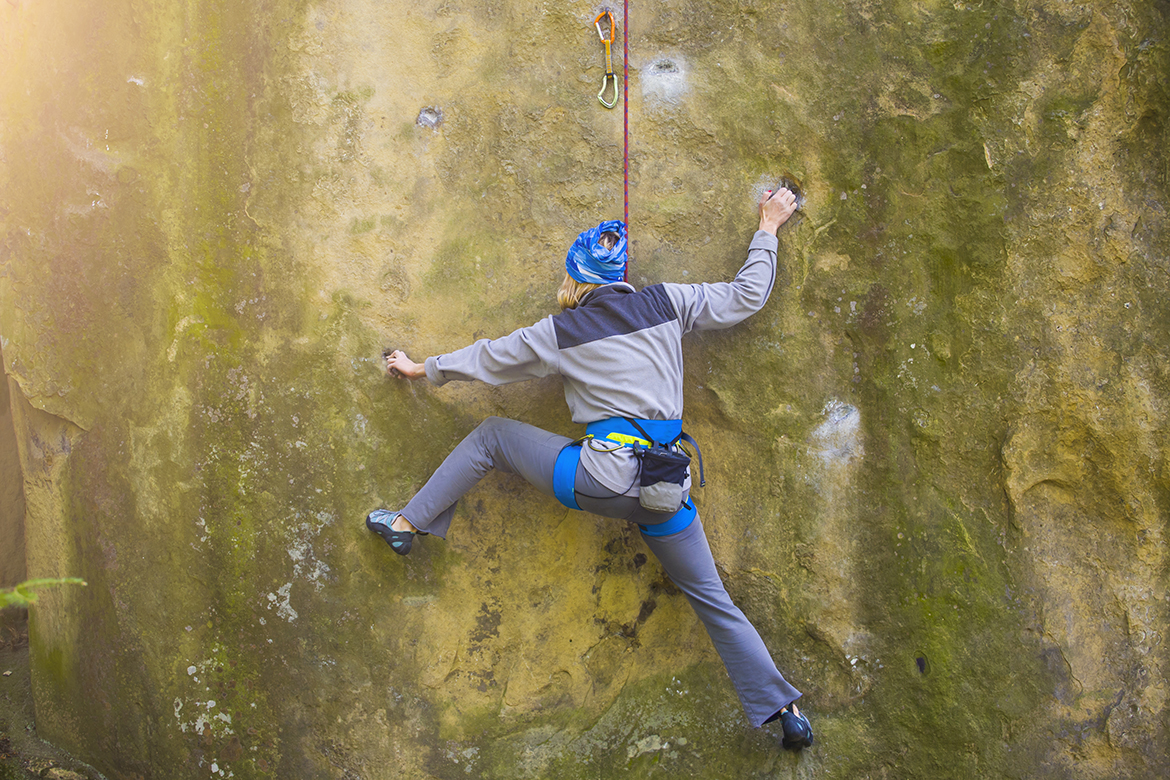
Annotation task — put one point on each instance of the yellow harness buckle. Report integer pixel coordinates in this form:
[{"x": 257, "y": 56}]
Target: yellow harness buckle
[{"x": 622, "y": 438}]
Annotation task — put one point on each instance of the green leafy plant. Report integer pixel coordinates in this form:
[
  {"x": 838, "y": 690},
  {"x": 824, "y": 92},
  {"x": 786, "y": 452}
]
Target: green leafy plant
[{"x": 22, "y": 595}]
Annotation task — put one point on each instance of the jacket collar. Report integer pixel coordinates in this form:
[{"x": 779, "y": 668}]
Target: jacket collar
[{"x": 612, "y": 288}]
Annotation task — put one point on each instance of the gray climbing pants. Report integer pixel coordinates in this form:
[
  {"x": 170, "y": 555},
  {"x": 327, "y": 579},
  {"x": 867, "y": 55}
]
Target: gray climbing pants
[{"x": 518, "y": 448}]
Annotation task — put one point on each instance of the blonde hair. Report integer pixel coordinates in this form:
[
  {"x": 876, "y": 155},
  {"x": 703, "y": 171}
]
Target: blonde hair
[{"x": 572, "y": 292}]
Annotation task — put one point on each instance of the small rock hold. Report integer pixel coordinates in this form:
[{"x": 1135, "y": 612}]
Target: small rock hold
[
  {"x": 430, "y": 117},
  {"x": 57, "y": 773}
]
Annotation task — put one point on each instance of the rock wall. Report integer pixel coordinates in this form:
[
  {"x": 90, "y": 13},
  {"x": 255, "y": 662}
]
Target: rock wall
[
  {"x": 938, "y": 479},
  {"x": 12, "y": 568}
]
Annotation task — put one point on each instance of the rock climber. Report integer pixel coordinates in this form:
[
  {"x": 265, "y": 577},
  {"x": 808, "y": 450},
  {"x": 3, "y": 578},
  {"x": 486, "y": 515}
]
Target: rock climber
[{"x": 619, "y": 353}]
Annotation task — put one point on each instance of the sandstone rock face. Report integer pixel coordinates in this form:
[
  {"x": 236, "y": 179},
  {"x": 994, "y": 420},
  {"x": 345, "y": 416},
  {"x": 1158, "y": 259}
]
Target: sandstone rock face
[
  {"x": 937, "y": 467},
  {"x": 12, "y": 568}
]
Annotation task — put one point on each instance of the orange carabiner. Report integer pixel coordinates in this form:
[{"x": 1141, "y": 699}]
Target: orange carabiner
[
  {"x": 609, "y": 74},
  {"x": 612, "y": 27}
]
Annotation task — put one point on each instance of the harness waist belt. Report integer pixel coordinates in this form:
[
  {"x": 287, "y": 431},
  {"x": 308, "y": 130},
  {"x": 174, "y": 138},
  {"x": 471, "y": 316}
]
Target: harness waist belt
[{"x": 661, "y": 430}]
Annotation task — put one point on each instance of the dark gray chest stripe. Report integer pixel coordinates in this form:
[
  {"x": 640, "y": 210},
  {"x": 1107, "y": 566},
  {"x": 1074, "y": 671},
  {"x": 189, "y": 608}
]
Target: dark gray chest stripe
[{"x": 613, "y": 313}]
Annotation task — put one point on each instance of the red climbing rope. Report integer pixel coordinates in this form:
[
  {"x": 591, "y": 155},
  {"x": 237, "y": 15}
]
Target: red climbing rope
[{"x": 626, "y": 125}]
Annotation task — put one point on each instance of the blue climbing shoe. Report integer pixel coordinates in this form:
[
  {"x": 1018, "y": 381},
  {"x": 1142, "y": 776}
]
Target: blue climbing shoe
[
  {"x": 797, "y": 730},
  {"x": 379, "y": 522}
]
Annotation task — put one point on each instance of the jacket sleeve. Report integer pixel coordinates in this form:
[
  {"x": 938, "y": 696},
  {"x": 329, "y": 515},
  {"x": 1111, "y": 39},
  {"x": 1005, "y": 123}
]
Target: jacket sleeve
[
  {"x": 528, "y": 353},
  {"x": 723, "y": 304}
]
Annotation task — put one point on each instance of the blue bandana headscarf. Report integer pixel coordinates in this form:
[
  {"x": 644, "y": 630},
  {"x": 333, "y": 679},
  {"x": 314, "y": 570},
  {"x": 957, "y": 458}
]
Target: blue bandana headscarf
[{"x": 590, "y": 262}]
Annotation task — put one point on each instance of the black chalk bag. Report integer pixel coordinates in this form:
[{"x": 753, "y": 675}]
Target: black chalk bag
[{"x": 664, "y": 467}]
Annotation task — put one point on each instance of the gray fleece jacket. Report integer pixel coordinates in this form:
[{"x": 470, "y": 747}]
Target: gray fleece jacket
[{"x": 619, "y": 352}]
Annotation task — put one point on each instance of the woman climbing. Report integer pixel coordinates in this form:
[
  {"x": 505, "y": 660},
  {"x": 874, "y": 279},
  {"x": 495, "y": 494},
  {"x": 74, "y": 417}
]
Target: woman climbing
[{"x": 619, "y": 353}]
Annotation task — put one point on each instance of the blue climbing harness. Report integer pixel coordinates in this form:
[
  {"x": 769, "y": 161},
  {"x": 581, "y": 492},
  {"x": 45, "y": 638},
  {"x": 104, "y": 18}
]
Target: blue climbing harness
[{"x": 627, "y": 434}]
